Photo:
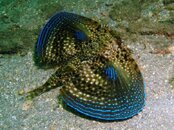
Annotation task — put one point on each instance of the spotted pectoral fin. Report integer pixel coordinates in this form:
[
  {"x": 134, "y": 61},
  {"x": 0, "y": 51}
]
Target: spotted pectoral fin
[
  {"x": 62, "y": 37},
  {"x": 103, "y": 89}
]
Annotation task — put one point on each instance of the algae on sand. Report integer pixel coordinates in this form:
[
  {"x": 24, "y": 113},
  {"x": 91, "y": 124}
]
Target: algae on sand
[{"x": 21, "y": 22}]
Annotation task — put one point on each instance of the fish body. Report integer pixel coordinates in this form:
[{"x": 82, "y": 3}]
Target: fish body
[{"x": 100, "y": 78}]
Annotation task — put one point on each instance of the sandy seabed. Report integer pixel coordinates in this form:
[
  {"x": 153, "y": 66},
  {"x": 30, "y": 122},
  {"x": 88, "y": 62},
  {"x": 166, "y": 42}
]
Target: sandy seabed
[{"x": 45, "y": 113}]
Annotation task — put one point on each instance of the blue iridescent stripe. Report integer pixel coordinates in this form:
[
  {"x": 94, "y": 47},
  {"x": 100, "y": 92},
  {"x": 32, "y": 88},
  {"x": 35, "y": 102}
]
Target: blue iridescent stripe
[
  {"x": 110, "y": 116},
  {"x": 45, "y": 33}
]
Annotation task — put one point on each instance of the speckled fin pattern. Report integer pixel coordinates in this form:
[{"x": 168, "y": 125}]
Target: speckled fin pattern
[{"x": 98, "y": 75}]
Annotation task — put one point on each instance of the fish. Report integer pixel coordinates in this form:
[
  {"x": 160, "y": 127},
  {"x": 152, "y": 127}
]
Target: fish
[{"x": 98, "y": 76}]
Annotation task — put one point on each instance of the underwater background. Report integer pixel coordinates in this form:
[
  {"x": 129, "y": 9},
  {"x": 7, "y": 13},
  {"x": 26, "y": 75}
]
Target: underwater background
[{"x": 145, "y": 26}]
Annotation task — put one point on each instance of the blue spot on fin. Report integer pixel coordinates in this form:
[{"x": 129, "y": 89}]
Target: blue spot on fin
[
  {"x": 111, "y": 73},
  {"x": 81, "y": 36}
]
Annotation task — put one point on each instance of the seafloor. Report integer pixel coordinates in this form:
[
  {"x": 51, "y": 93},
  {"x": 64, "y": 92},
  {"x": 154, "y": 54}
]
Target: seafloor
[{"x": 146, "y": 27}]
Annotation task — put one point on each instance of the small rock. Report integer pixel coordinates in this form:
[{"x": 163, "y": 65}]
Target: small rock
[
  {"x": 27, "y": 105},
  {"x": 104, "y": 14},
  {"x": 21, "y": 92},
  {"x": 171, "y": 49},
  {"x": 52, "y": 128}
]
